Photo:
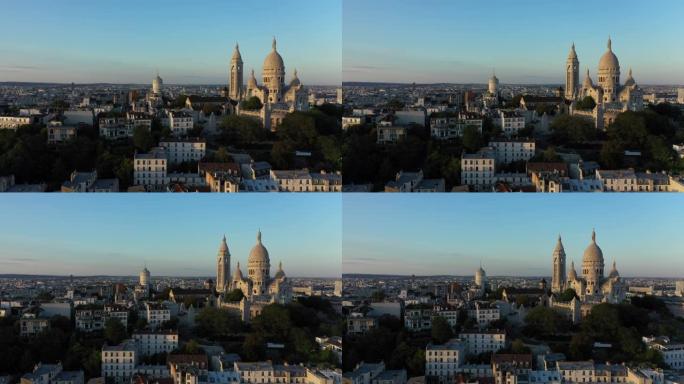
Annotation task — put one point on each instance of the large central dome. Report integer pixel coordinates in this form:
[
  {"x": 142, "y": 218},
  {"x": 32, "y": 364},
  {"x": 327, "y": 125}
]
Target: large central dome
[
  {"x": 609, "y": 61},
  {"x": 593, "y": 253},
  {"x": 259, "y": 253},
  {"x": 273, "y": 60}
]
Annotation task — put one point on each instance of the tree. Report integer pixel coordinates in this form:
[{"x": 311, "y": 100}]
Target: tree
[
  {"x": 192, "y": 347},
  {"x": 519, "y": 347},
  {"x": 241, "y": 130},
  {"x": 544, "y": 322},
  {"x": 142, "y": 138},
  {"x": 567, "y": 295},
  {"x": 441, "y": 330},
  {"x": 179, "y": 101},
  {"x": 124, "y": 172},
  {"x": 216, "y": 323},
  {"x": 234, "y": 295},
  {"x": 254, "y": 347},
  {"x": 274, "y": 323},
  {"x": 567, "y": 129},
  {"x": 472, "y": 139},
  {"x": 587, "y": 103},
  {"x": 580, "y": 346},
  {"x": 141, "y": 324},
  {"x": 114, "y": 331},
  {"x": 251, "y": 104},
  {"x": 395, "y": 105}
]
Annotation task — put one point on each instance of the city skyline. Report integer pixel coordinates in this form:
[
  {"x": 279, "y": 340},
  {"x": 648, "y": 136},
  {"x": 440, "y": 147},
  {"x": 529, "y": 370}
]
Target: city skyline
[
  {"x": 442, "y": 41},
  {"x": 85, "y": 42},
  {"x": 511, "y": 236},
  {"x": 172, "y": 235}
]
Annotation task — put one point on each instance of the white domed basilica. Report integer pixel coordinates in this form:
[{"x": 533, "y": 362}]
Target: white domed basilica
[
  {"x": 258, "y": 287},
  {"x": 277, "y": 97},
  {"x": 610, "y": 96},
  {"x": 593, "y": 287}
]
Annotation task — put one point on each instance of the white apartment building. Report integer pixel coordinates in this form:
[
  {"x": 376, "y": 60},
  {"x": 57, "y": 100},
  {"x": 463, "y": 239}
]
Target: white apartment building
[
  {"x": 156, "y": 314},
  {"x": 391, "y": 134},
  {"x": 350, "y": 121},
  {"x": 116, "y": 312},
  {"x": 326, "y": 181},
  {"x": 121, "y": 127},
  {"x": 484, "y": 314},
  {"x": 449, "y": 314},
  {"x": 477, "y": 170},
  {"x": 112, "y": 127},
  {"x": 139, "y": 119},
  {"x": 510, "y": 122},
  {"x": 477, "y": 342},
  {"x": 626, "y": 180},
  {"x": 14, "y": 122},
  {"x": 442, "y": 361},
  {"x": 184, "y": 150},
  {"x": 151, "y": 342},
  {"x": 304, "y": 181},
  {"x": 265, "y": 372},
  {"x": 673, "y": 353},
  {"x": 119, "y": 361},
  {"x": 89, "y": 319},
  {"x": 58, "y": 133},
  {"x": 180, "y": 123},
  {"x": 418, "y": 317},
  {"x": 357, "y": 323},
  {"x": 446, "y": 127},
  {"x": 29, "y": 325},
  {"x": 577, "y": 371},
  {"x": 149, "y": 169},
  {"x": 509, "y": 150}
]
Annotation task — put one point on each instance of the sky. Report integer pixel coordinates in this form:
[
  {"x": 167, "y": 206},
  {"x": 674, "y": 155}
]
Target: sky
[
  {"x": 524, "y": 41},
  {"x": 510, "y": 234},
  {"x": 175, "y": 235},
  {"x": 126, "y": 41}
]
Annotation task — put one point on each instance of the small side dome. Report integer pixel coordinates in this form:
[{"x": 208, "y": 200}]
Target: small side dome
[
  {"x": 280, "y": 274},
  {"x": 295, "y": 80},
  {"x": 630, "y": 80},
  {"x": 252, "y": 81},
  {"x": 614, "y": 272}
]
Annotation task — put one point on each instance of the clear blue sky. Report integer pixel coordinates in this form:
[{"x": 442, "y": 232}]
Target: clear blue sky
[
  {"x": 190, "y": 42},
  {"x": 175, "y": 234},
  {"x": 512, "y": 234},
  {"x": 526, "y": 41}
]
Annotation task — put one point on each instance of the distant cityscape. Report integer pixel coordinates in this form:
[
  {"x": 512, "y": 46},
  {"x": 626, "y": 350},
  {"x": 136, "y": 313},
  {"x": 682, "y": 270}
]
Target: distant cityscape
[
  {"x": 563, "y": 327},
  {"x": 172, "y": 138},
  {"x": 514, "y": 137},
  {"x": 220, "y": 329}
]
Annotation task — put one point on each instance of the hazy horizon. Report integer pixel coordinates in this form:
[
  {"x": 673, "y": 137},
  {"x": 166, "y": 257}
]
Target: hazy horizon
[
  {"x": 524, "y": 42},
  {"x": 511, "y": 235},
  {"x": 127, "y": 41},
  {"x": 174, "y": 235}
]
